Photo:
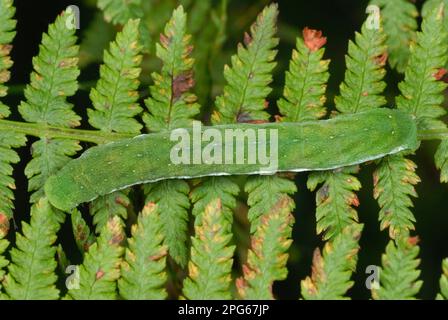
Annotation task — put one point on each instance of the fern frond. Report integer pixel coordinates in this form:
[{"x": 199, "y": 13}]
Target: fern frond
[
  {"x": 52, "y": 81},
  {"x": 441, "y": 159},
  {"x": 422, "y": 90},
  {"x": 266, "y": 261},
  {"x": 399, "y": 274},
  {"x": 8, "y": 139},
  {"x": 443, "y": 295},
  {"x": 263, "y": 194},
  {"x": 430, "y": 5},
  {"x": 210, "y": 266},
  {"x": 4, "y": 244},
  {"x": 120, "y": 11},
  {"x": 31, "y": 274},
  {"x": 7, "y": 34},
  {"x": 394, "y": 181},
  {"x": 248, "y": 79},
  {"x": 81, "y": 232},
  {"x": 208, "y": 189},
  {"x": 400, "y": 25},
  {"x": 306, "y": 80},
  {"x": 363, "y": 86},
  {"x": 171, "y": 197},
  {"x": 100, "y": 269},
  {"x": 171, "y": 105},
  {"x": 331, "y": 271},
  {"x": 115, "y": 96},
  {"x": 143, "y": 271},
  {"x": 335, "y": 199}
]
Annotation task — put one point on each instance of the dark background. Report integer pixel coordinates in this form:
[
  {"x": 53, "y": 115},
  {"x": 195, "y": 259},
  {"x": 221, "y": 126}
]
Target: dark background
[{"x": 338, "y": 19}]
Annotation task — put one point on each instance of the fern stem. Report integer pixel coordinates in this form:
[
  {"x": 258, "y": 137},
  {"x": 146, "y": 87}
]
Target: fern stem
[
  {"x": 41, "y": 130},
  {"x": 433, "y": 134}
]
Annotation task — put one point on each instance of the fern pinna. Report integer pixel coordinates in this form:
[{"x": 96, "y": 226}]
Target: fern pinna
[{"x": 217, "y": 237}]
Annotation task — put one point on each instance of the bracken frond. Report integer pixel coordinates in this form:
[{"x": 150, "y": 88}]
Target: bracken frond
[
  {"x": 81, "y": 232},
  {"x": 100, "y": 269},
  {"x": 335, "y": 200},
  {"x": 7, "y": 34},
  {"x": 331, "y": 271},
  {"x": 443, "y": 295},
  {"x": 306, "y": 80},
  {"x": 31, "y": 274},
  {"x": 210, "y": 266},
  {"x": 143, "y": 271},
  {"x": 266, "y": 261},
  {"x": 400, "y": 25},
  {"x": 394, "y": 181},
  {"x": 399, "y": 274},
  {"x": 248, "y": 79}
]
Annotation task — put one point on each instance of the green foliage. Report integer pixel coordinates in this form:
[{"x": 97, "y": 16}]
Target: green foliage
[
  {"x": 8, "y": 140},
  {"x": 100, "y": 269},
  {"x": 444, "y": 281},
  {"x": 171, "y": 105},
  {"x": 331, "y": 271},
  {"x": 31, "y": 274},
  {"x": 143, "y": 271},
  {"x": 306, "y": 80},
  {"x": 335, "y": 200},
  {"x": 399, "y": 274},
  {"x": 210, "y": 266},
  {"x": 81, "y": 232},
  {"x": 394, "y": 181},
  {"x": 52, "y": 81},
  {"x": 400, "y": 24},
  {"x": 266, "y": 261},
  {"x": 120, "y": 11},
  {"x": 7, "y": 34},
  {"x": 114, "y": 267},
  {"x": 264, "y": 194},
  {"x": 248, "y": 79},
  {"x": 363, "y": 85}
]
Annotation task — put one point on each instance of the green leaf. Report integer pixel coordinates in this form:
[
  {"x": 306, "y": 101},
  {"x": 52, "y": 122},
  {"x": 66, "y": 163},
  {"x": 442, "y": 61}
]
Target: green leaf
[
  {"x": 7, "y": 34},
  {"x": 399, "y": 274},
  {"x": 143, "y": 271},
  {"x": 105, "y": 207},
  {"x": 306, "y": 80},
  {"x": 331, "y": 271},
  {"x": 400, "y": 24},
  {"x": 81, "y": 232},
  {"x": 422, "y": 90},
  {"x": 248, "y": 79},
  {"x": 441, "y": 158},
  {"x": 208, "y": 189},
  {"x": 363, "y": 86},
  {"x": 120, "y": 11},
  {"x": 266, "y": 261},
  {"x": 31, "y": 274},
  {"x": 394, "y": 181},
  {"x": 171, "y": 105},
  {"x": 210, "y": 266},
  {"x": 52, "y": 81},
  {"x": 264, "y": 193},
  {"x": 171, "y": 197},
  {"x": 4, "y": 244},
  {"x": 335, "y": 199},
  {"x": 100, "y": 269},
  {"x": 443, "y": 295},
  {"x": 115, "y": 96}
]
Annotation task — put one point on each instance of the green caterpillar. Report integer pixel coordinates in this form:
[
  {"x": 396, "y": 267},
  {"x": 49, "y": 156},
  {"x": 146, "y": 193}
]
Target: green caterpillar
[{"x": 315, "y": 145}]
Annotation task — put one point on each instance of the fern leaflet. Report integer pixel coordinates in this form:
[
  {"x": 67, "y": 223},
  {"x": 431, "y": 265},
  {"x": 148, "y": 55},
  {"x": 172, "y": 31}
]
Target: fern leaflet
[
  {"x": 143, "y": 271},
  {"x": 444, "y": 281}
]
